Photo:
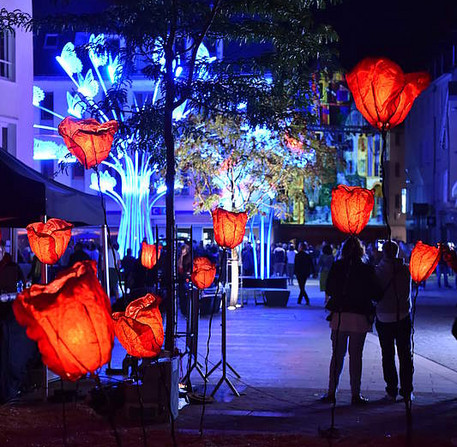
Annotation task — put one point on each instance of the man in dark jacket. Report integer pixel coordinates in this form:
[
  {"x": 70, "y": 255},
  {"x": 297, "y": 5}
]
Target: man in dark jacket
[
  {"x": 303, "y": 269},
  {"x": 393, "y": 321}
]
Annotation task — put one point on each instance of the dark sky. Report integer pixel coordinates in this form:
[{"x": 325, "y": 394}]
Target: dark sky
[{"x": 407, "y": 31}]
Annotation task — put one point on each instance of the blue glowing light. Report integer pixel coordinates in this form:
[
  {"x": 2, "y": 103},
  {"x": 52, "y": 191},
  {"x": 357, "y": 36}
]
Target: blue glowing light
[
  {"x": 50, "y": 150},
  {"x": 69, "y": 61},
  {"x": 76, "y": 107},
  {"x": 98, "y": 59},
  {"x": 134, "y": 174},
  {"x": 38, "y": 95}
]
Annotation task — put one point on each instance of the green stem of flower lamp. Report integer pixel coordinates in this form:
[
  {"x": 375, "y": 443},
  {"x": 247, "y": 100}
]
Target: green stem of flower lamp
[{"x": 385, "y": 201}]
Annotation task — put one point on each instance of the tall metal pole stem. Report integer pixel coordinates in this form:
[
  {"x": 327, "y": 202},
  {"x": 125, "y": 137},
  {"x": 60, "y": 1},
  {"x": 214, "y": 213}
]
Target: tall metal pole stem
[
  {"x": 105, "y": 258},
  {"x": 385, "y": 198}
]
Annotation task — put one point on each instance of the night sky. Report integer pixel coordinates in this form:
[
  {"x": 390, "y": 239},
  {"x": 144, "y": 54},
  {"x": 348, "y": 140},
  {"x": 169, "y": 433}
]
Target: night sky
[{"x": 407, "y": 31}]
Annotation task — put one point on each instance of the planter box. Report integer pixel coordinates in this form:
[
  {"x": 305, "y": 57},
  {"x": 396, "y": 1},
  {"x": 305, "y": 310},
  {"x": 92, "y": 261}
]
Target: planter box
[
  {"x": 276, "y": 297},
  {"x": 279, "y": 282}
]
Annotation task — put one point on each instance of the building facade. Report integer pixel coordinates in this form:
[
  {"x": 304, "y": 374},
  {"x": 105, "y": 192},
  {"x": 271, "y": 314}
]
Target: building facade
[
  {"x": 16, "y": 81},
  {"x": 431, "y": 162}
]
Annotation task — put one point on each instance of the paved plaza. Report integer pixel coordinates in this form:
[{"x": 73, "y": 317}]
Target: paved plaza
[{"x": 282, "y": 355}]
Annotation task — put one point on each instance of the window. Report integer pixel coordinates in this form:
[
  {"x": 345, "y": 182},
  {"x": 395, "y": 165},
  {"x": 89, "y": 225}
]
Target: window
[
  {"x": 403, "y": 200},
  {"x": 51, "y": 41},
  {"x": 8, "y": 137},
  {"x": 7, "y": 56},
  {"x": 48, "y": 103},
  {"x": 4, "y": 138}
]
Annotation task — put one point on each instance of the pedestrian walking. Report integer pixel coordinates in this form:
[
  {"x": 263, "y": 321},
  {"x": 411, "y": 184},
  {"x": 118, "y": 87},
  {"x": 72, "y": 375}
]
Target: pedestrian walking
[
  {"x": 351, "y": 286},
  {"x": 393, "y": 322},
  {"x": 303, "y": 268},
  {"x": 291, "y": 253}
]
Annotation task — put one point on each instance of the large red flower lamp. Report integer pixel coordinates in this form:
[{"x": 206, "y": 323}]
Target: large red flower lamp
[
  {"x": 88, "y": 140},
  {"x": 140, "y": 327},
  {"x": 229, "y": 227},
  {"x": 70, "y": 319},
  {"x": 149, "y": 255},
  {"x": 49, "y": 240},
  {"x": 203, "y": 272},
  {"x": 384, "y": 94},
  {"x": 351, "y": 208},
  {"x": 424, "y": 259}
]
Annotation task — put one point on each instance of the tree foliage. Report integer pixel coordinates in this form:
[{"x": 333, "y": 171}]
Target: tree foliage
[
  {"x": 270, "y": 47},
  {"x": 244, "y": 168}
]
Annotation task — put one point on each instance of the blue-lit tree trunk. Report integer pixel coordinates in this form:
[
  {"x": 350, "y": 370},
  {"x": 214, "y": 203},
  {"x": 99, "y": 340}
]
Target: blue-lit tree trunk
[{"x": 135, "y": 224}]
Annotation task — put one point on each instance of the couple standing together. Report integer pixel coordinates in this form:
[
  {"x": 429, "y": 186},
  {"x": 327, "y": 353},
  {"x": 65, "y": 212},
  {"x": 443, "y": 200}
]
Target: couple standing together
[{"x": 359, "y": 293}]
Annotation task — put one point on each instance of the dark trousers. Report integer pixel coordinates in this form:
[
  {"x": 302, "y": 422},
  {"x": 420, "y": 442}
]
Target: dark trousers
[
  {"x": 301, "y": 283},
  {"x": 391, "y": 334},
  {"x": 340, "y": 342}
]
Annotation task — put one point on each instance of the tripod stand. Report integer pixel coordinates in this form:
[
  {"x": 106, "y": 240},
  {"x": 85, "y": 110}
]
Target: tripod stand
[
  {"x": 223, "y": 360},
  {"x": 192, "y": 339}
]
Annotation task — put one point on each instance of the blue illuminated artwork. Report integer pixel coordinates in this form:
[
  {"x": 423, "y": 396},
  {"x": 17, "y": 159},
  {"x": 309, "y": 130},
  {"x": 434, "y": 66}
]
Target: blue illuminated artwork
[{"x": 130, "y": 178}]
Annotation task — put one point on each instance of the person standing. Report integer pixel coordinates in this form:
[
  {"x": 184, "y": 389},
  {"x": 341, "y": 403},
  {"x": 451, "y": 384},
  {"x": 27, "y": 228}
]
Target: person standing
[
  {"x": 393, "y": 322},
  {"x": 291, "y": 253},
  {"x": 127, "y": 264},
  {"x": 16, "y": 348},
  {"x": 247, "y": 257},
  {"x": 443, "y": 269},
  {"x": 114, "y": 264},
  {"x": 351, "y": 286},
  {"x": 303, "y": 268},
  {"x": 279, "y": 260},
  {"x": 78, "y": 255},
  {"x": 323, "y": 267},
  {"x": 184, "y": 271}
]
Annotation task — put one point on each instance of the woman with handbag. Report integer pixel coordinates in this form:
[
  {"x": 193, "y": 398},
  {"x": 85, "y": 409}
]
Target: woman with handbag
[{"x": 352, "y": 287}]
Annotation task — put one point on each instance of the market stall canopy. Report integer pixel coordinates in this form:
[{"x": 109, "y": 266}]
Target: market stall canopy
[{"x": 26, "y": 196}]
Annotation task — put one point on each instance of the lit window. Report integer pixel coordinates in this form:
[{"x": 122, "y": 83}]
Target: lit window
[
  {"x": 7, "y": 56},
  {"x": 403, "y": 200},
  {"x": 51, "y": 41},
  {"x": 8, "y": 137}
]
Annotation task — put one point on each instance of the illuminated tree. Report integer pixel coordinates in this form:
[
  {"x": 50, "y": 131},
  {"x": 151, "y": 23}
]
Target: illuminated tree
[{"x": 239, "y": 168}]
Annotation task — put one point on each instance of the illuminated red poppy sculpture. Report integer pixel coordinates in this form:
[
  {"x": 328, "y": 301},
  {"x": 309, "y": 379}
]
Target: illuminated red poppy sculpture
[
  {"x": 49, "y": 240},
  {"x": 351, "y": 207},
  {"x": 88, "y": 140},
  {"x": 149, "y": 255},
  {"x": 424, "y": 259},
  {"x": 229, "y": 227},
  {"x": 70, "y": 319},
  {"x": 384, "y": 94},
  {"x": 203, "y": 272},
  {"x": 140, "y": 327}
]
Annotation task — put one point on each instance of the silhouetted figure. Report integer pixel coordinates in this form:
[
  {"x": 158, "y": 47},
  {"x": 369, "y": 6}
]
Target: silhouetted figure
[
  {"x": 393, "y": 321},
  {"x": 352, "y": 287},
  {"x": 303, "y": 269},
  {"x": 78, "y": 255}
]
